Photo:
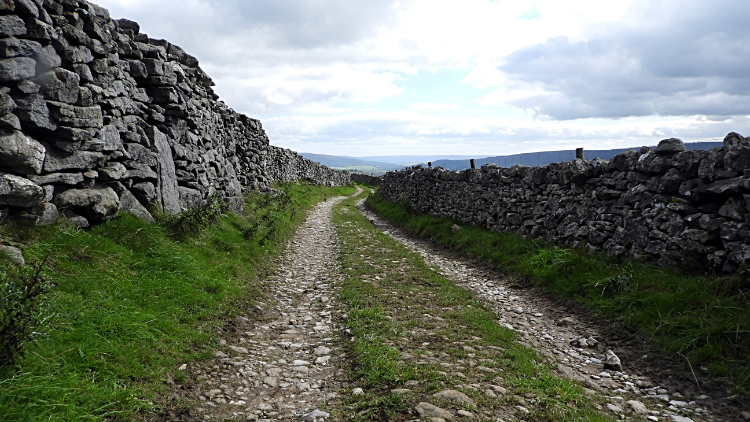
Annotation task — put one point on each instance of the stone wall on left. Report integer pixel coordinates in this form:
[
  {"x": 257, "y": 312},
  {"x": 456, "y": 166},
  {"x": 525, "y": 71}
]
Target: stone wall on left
[{"x": 96, "y": 118}]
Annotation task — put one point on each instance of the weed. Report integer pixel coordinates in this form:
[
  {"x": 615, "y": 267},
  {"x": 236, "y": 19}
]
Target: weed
[
  {"x": 704, "y": 318},
  {"x": 197, "y": 218},
  {"x": 24, "y": 308},
  {"x": 142, "y": 303}
]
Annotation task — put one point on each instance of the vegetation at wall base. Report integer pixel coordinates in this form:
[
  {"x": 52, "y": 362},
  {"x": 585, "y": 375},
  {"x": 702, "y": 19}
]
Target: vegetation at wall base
[
  {"x": 402, "y": 315},
  {"x": 132, "y": 302},
  {"x": 706, "y": 319}
]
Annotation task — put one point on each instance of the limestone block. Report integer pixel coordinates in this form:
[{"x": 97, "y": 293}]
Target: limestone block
[
  {"x": 11, "y": 26},
  {"x": 16, "y": 69},
  {"x": 21, "y": 154},
  {"x": 16, "y": 191},
  {"x": 13, "y": 47},
  {"x": 59, "y": 85}
]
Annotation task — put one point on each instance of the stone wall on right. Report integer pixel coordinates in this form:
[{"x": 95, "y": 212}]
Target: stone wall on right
[{"x": 683, "y": 209}]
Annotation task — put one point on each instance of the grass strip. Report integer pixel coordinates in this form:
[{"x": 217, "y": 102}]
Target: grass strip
[
  {"x": 133, "y": 302},
  {"x": 413, "y": 329},
  {"x": 704, "y": 318}
]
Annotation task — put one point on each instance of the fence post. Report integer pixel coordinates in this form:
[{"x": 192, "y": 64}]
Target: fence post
[
  {"x": 473, "y": 165},
  {"x": 579, "y": 153}
]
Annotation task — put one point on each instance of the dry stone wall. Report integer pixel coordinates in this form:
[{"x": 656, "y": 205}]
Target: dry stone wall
[
  {"x": 366, "y": 178},
  {"x": 289, "y": 166},
  {"x": 686, "y": 209},
  {"x": 96, "y": 117}
]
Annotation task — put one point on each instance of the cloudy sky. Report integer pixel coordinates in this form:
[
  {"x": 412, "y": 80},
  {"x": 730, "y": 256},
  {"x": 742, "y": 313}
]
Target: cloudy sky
[{"x": 468, "y": 77}]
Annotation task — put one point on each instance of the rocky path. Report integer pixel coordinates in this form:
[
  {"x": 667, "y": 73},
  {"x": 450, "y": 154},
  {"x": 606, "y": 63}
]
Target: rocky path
[
  {"x": 287, "y": 365},
  {"x": 581, "y": 351}
]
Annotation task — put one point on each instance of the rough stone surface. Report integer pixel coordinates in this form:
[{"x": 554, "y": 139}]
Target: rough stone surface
[
  {"x": 265, "y": 370},
  {"x": 16, "y": 191},
  {"x": 666, "y": 204},
  {"x": 100, "y": 96},
  {"x": 21, "y": 154},
  {"x": 428, "y": 410},
  {"x": 12, "y": 254}
]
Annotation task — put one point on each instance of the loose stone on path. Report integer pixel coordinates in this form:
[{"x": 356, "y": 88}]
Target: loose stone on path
[{"x": 286, "y": 366}]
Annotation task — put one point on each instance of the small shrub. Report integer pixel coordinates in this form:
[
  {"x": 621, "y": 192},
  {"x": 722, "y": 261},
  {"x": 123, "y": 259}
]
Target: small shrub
[
  {"x": 197, "y": 218},
  {"x": 23, "y": 309}
]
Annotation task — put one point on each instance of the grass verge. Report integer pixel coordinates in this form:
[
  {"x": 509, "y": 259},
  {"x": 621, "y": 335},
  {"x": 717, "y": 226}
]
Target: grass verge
[
  {"x": 134, "y": 301},
  {"x": 706, "y": 319},
  {"x": 417, "y": 333}
]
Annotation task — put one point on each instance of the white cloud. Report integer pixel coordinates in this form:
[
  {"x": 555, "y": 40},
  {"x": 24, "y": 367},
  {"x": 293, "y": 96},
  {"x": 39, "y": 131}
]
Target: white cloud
[
  {"x": 624, "y": 72},
  {"x": 433, "y": 106}
]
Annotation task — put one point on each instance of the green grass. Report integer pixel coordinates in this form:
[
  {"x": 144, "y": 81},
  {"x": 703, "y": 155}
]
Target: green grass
[
  {"x": 704, "y": 318},
  {"x": 388, "y": 291},
  {"x": 133, "y": 302}
]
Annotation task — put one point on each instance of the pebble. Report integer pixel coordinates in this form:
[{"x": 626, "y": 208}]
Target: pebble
[
  {"x": 455, "y": 397},
  {"x": 427, "y": 410},
  {"x": 638, "y": 407},
  {"x": 272, "y": 376}
]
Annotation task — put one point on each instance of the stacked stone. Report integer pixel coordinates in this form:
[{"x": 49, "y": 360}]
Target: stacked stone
[
  {"x": 285, "y": 166},
  {"x": 686, "y": 209},
  {"x": 96, "y": 117},
  {"x": 366, "y": 178}
]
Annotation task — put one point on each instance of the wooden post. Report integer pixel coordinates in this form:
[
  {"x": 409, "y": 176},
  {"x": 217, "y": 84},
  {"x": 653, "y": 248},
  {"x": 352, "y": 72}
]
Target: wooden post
[
  {"x": 473, "y": 164},
  {"x": 579, "y": 153},
  {"x": 429, "y": 164}
]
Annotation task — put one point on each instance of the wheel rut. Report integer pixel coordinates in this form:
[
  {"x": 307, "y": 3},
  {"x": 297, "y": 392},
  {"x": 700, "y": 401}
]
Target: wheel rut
[
  {"x": 577, "y": 345},
  {"x": 284, "y": 365}
]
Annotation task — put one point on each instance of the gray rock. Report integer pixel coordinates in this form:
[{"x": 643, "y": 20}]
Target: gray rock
[
  {"x": 13, "y": 255},
  {"x": 98, "y": 204},
  {"x": 455, "y": 397},
  {"x": 16, "y": 69},
  {"x": 46, "y": 214},
  {"x": 189, "y": 198},
  {"x": 111, "y": 138},
  {"x": 10, "y": 122},
  {"x": 13, "y": 47},
  {"x": 131, "y": 205},
  {"x": 80, "y": 160},
  {"x": 78, "y": 198},
  {"x": 638, "y": 407},
  {"x": 670, "y": 146},
  {"x": 21, "y": 154},
  {"x": 316, "y": 415},
  {"x": 78, "y": 117},
  {"x": 11, "y": 26},
  {"x": 26, "y": 8},
  {"x": 59, "y": 85},
  {"x": 678, "y": 418},
  {"x": 128, "y": 24},
  {"x": 615, "y": 408},
  {"x": 166, "y": 189},
  {"x": 611, "y": 361},
  {"x": 427, "y": 410},
  {"x": 33, "y": 112},
  {"x": 16, "y": 191},
  {"x": 145, "y": 192},
  {"x": 70, "y": 179},
  {"x": 47, "y": 59},
  {"x": 7, "y": 104},
  {"x": 7, "y": 6},
  {"x": 75, "y": 219},
  {"x": 113, "y": 171}
]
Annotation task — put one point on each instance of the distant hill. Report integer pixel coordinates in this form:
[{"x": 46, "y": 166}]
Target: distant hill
[
  {"x": 352, "y": 164},
  {"x": 412, "y": 159},
  {"x": 547, "y": 157}
]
